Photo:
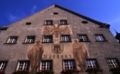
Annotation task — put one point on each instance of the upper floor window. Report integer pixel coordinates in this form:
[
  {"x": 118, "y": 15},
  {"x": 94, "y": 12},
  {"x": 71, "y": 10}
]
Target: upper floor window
[
  {"x": 49, "y": 22},
  {"x": 30, "y": 39},
  {"x": 47, "y": 39},
  {"x": 100, "y": 38},
  {"x": 65, "y": 38},
  {"x": 46, "y": 65},
  {"x": 3, "y": 65},
  {"x": 55, "y": 13},
  {"x": 84, "y": 22},
  {"x": 12, "y": 40},
  {"x": 28, "y": 23},
  {"x": 23, "y": 65},
  {"x": 92, "y": 65},
  {"x": 113, "y": 63},
  {"x": 83, "y": 38},
  {"x": 63, "y": 22},
  {"x": 69, "y": 65}
]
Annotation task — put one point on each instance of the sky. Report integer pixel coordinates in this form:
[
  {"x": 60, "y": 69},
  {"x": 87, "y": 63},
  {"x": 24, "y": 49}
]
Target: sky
[{"x": 106, "y": 11}]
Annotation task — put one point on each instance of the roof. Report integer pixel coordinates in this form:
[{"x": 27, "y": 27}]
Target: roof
[{"x": 87, "y": 18}]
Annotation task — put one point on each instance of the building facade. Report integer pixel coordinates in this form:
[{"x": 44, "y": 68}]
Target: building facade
[{"x": 72, "y": 44}]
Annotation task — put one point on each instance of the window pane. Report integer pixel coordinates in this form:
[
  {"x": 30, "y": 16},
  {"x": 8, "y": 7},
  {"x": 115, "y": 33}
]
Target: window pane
[{"x": 83, "y": 38}]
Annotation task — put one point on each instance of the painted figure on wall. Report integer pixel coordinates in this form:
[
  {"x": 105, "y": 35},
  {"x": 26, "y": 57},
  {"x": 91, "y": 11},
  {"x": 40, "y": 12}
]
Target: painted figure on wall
[
  {"x": 80, "y": 53},
  {"x": 34, "y": 54}
]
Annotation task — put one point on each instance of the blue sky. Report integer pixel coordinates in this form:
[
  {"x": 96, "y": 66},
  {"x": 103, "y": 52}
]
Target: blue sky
[{"x": 107, "y": 11}]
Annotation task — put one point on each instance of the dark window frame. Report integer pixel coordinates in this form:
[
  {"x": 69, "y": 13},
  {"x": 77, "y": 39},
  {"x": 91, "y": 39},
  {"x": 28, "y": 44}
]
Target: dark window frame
[
  {"x": 66, "y": 64},
  {"x": 63, "y": 22},
  {"x": 11, "y": 39},
  {"x": 85, "y": 36},
  {"x": 113, "y": 65},
  {"x": 4, "y": 65},
  {"x": 90, "y": 67},
  {"x": 22, "y": 62},
  {"x": 29, "y": 37},
  {"x": 50, "y": 40},
  {"x": 64, "y": 41},
  {"x": 44, "y": 63},
  {"x": 100, "y": 35},
  {"x": 48, "y": 22}
]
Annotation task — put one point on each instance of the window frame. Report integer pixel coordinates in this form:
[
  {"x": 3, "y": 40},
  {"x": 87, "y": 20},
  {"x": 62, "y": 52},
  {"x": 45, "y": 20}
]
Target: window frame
[
  {"x": 111, "y": 65},
  {"x": 50, "y": 39},
  {"x": 46, "y": 67},
  {"x": 48, "y": 22},
  {"x": 12, "y": 40},
  {"x": 23, "y": 62},
  {"x": 28, "y": 38},
  {"x": 92, "y": 67},
  {"x": 71, "y": 65},
  {"x": 63, "y": 40},
  {"x": 100, "y": 36},
  {"x": 5, "y": 63},
  {"x": 63, "y": 22},
  {"x": 84, "y": 38}
]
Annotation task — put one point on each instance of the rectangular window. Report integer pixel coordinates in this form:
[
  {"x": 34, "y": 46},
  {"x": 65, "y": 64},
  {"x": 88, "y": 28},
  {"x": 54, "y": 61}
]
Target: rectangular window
[
  {"x": 3, "y": 65},
  {"x": 83, "y": 38},
  {"x": 92, "y": 65},
  {"x": 69, "y": 65},
  {"x": 65, "y": 38},
  {"x": 46, "y": 65},
  {"x": 47, "y": 39},
  {"x": 48, "y": 22},
  {"x": 100, "y": 38},
  {"x": 29, "y": 39},
  {"x": 12, "y": 40},
  {"x": 113, "y": 63},
  {"x": 23, "y": 65},
  {"x": 63, "y": 22}
]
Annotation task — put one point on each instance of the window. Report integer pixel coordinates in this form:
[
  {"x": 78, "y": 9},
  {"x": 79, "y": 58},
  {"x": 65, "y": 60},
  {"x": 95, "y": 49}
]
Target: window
[
  {"x": 113, "y": 63},
  {"x": 46, "y": 65},
  {"x": 69, "y": 65},
  {"x": 55, "y": 13},
  {"x": 3, "y": 28},
  {"x": 63, "y": 22},
  {"x": 83, "y": 38},
  {"x": 3, "y": 65},
  {"x": 47, "y": 39},
  {"x": 28, "y": 23},
  {"x": 91, "y": 65},
  {"x": 12, "y": 40},
  {"x": 65, "y": 38},
  {"x": 84, "y": 22},
  {"x": 49, "y": 22},
  {"x": 23, "y": 65},
  {"x": 29, "y": 39},
  {"x": 100, "y": 38}
]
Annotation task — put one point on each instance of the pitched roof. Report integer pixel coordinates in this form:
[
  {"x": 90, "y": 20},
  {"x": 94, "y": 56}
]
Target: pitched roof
[{"x": 87, "y": 18}]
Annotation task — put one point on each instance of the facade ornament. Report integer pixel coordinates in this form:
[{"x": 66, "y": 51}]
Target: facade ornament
[
  {"x": 34, "y": 54},
  {"x": 80, "y": 54}
]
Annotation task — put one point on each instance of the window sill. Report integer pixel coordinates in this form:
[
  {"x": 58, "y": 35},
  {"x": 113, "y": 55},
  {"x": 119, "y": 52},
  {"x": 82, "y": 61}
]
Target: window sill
[
  {"x": 2, "y": 72},
  {"x": 10, "y": 43},
  {"x": 94, "y": 70},
  {"x": 21, "y": 72},
  {"x": 45, "y": 72},
  {"x": 28, "y": 43}
]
